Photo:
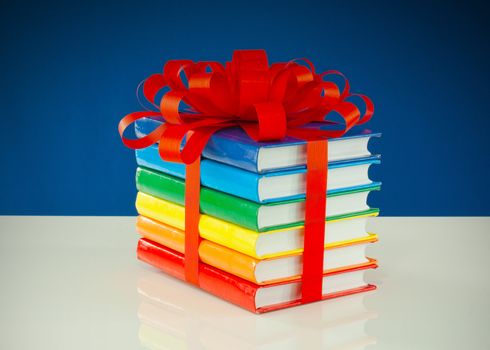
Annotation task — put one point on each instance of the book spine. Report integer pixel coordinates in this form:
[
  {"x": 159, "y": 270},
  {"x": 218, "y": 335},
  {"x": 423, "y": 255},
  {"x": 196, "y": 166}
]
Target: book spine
[
  {"x": 161, "y": 186},
  {"x": 218, "y": 204},
  {"x": 231, "y": 180},
  {"x": 233, "y": 152},
  {"x": 228, "y": 260},
  {"x": 165, "y": 235},
  {"x": 150, "y": 158},
  {"x": 218, "y": 176},
  {"x": 160, "y": 210},
  {"x": 215, "y": 230},
  {"x": 239, "y": 211},
  {"x": 212, "y": 280},
  {"x": 224, "y": 146}
]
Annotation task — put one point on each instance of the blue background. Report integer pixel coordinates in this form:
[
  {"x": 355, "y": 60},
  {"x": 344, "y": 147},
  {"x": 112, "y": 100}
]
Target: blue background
[{"x": 69, "y": 73}]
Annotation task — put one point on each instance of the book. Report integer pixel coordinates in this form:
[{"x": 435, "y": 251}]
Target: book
[
  {"x": 259, "y": 245},
  {"x": 337, "y": 256},
  {"x": 232, "y": 146},
  {"x": 255, "y": 216},
  {"x": 246, "y": 294},
  {"x": 263, "y": 188}
]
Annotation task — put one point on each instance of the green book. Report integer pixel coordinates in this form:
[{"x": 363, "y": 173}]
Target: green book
[{"x": 248, "y": 214}]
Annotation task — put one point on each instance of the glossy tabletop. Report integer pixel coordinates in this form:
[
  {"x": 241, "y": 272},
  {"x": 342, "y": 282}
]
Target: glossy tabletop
[{"x": 74, "y": 283}]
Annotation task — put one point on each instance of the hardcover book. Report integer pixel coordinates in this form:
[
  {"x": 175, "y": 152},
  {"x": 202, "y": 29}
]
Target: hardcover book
[{"x": 232, "y": 146}]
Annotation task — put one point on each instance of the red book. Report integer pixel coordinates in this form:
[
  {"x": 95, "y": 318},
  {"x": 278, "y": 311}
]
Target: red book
[{"x": 246, "y": 294}]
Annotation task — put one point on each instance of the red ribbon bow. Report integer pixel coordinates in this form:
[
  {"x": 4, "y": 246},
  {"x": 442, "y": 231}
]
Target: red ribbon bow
[{"x": 268, "y": 103}]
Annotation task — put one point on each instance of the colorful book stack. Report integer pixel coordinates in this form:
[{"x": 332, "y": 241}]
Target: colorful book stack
[{"x": 252, "y": 212}]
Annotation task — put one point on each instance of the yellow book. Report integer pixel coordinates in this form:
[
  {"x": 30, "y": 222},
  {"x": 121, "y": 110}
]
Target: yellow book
[
  {"x": 260, "y": 271},
  {"x": 260, "y": 245}
]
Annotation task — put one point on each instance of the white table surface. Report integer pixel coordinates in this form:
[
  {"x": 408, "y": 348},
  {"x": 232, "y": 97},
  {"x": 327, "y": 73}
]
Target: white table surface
[{"x": 72, "y": 283}]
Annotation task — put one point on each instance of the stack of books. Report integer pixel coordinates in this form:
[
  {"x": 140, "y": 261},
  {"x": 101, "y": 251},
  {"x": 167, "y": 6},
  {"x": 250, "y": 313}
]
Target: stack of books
[{"x": 252, "y": 212}]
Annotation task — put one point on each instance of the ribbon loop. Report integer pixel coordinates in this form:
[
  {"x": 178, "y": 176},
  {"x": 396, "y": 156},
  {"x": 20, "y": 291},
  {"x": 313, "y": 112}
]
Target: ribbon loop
[
  {"x": 145, "y": 141},
  {"x": 271, "y": 120}
]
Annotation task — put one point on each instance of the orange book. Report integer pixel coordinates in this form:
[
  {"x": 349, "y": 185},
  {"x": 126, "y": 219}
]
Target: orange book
[{"x": 344, "y": 255}]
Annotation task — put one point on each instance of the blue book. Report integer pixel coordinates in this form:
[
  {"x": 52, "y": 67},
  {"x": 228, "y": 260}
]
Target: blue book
[
  {"x": 232, "y": 146},
  {"x": 264, "y": 188}
]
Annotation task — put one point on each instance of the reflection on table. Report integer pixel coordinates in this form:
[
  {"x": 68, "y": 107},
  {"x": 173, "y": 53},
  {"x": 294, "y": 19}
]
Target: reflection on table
[{"x": 170, "y": 319}]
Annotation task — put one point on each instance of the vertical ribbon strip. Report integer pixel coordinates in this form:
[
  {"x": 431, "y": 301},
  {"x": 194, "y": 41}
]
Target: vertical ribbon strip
[
  {"x": 314, "y": 229},
  {"x": 192, "y": 216}
]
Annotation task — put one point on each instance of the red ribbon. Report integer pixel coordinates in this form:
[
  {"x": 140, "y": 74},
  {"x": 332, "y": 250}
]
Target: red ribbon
[{"x": 268, "y": 103}]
